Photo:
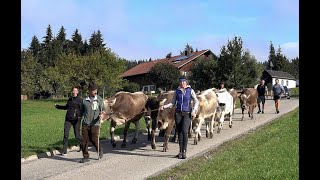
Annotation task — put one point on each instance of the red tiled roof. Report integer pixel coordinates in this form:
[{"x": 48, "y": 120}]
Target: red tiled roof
[{"x": 144, "y": 68}]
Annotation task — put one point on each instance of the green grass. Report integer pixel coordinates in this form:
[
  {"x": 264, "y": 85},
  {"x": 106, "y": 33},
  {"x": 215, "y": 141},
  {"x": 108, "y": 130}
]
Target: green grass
[
  {"x": 272, "y": 152},
  {"x": 294, "y": 92},
  {"x": 42, "y": 127}
]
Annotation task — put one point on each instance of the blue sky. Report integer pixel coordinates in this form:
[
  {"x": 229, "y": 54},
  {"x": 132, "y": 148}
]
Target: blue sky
[{"x": 140, "y": 29}]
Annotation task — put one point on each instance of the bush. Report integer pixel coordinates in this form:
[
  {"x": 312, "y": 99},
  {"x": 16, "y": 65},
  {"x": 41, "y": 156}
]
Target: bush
[{"x": 131, "y": 87}]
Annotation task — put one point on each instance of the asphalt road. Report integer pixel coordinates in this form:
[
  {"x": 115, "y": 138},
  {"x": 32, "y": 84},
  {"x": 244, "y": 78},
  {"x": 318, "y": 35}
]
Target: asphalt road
[{"x": 139, "y": 161}]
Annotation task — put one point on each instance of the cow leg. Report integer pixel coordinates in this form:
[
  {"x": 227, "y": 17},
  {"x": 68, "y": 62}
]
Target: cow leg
[
  {"x": 167, "y": 135},
  {"x": 212, "y": 124},
  {"x": 148, "y": 124},
  {"x": 112, "y": 128},
  {"x": 190, "y": 131},
  {"x": 251, "y": 111},
  {"x": 242, "y": 114},
  {"x": 125, "y": 133},
  {"x": 207, "y": 128},
  {"x": 221, "y": 121},
  {"x": 197, "y": 133},
  {"x": 135, "y": 138},
  {"x": 230, "y": 120},
  {"x": 153, "y": 134}
]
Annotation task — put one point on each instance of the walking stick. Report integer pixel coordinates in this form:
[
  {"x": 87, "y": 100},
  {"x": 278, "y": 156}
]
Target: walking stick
[{"x": 100, "y": 119}]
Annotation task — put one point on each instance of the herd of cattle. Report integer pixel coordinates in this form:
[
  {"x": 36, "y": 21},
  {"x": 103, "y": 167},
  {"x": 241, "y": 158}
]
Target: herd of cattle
[{"x": 214, "y": 107}]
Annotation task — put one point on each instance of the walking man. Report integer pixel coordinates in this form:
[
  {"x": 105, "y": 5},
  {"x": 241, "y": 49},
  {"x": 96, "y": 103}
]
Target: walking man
[
  {"x": 93, "y": 111},
  {"x": 277, "y": 90},
  {"x": 262, "y": 92}
]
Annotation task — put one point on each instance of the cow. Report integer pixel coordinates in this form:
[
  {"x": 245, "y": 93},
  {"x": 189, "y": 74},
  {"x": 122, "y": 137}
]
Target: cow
[
  {"x": 165, "y": 118},
  {"x": 207, "y": 110},
  {"x": 125, "y": 108},
  {"x": 248, "y": 100},
  {"x": 225, "y": 108},
  {"x": 234, "y": 95}
]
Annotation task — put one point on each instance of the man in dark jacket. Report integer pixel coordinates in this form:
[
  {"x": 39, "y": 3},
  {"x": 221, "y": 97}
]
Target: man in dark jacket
[
  {"x": 262, "y": 92},
  {"x": 93, "y": 111},
  {"x": 72, "y": 118}
]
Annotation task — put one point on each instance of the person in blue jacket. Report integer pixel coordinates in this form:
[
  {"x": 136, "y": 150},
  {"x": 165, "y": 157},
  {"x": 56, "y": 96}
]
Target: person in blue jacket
[{"x": 182, "y": 98}]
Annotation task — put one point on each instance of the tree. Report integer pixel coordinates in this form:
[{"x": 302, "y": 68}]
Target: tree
[
  {"x": 272, "y": 56},
  {"x": 76, "y": 43},
  {"x": 203, "y": 74},
  {"x": 229, "y": 63},
  {"x": 35, "y": 46},
  {"x": 48, "y": 37},
  {"x": 169, "y": 55},
  {"x": 62, "y": 35},
  {"x": 31, "y": 73},
  {"x": 96, "y": 42},
  {"x": 164, "y": 75}
]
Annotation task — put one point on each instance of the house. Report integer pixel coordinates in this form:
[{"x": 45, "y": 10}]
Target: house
[
  {"x": 285, "y": 79},
  {"x": 140, "y": 73}
]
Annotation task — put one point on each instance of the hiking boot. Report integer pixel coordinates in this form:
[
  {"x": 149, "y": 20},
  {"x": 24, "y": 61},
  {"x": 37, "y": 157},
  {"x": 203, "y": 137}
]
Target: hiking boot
[
  {"x": 262, "y": 112},
  {"x": 100, "y": 154},
  {"x": 259, "y": 112},
  {"x": 179, "y": 155},
  {"x": 184, "y": 155},
  {"x": 84, "y": 160},
  {"x": 63, "y": 154}
]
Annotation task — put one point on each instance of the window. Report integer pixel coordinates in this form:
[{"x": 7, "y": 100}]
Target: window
[
  {"x": 282, "y": 82},
  {"x": 184, "y": 73},
  {"x": 287, "y": 83}
]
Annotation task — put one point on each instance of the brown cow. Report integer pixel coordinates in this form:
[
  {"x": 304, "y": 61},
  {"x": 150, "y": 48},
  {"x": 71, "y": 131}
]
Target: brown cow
[
  {"x": 248, "y": 100},
  {"x": 165, "y": 118},
  {"x": 207, "y": 109},
  {"x": 125, "y": 108}
]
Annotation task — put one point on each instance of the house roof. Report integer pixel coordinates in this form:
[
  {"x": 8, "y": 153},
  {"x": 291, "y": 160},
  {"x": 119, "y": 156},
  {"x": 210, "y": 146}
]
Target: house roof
[
  {"x": 178, "y": 61},
  {"x": 279, "y": 74}
]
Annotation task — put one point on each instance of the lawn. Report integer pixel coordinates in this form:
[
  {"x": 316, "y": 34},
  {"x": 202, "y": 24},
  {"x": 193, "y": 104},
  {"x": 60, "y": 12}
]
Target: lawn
[
  {"x": 272, "y": 152},
  {"x": 42, "y": 127}
]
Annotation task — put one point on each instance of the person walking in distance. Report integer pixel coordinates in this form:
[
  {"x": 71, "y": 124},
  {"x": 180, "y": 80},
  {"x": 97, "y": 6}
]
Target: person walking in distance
[
  {"x": 72, "y": 118},
  {"x": 183, "y": 113},
  {"x": 262, "y": 92},
  {"x": 93, "y": 111},
  {"x": 222, "y": 86},
  {"x": 277, "y": 90}
]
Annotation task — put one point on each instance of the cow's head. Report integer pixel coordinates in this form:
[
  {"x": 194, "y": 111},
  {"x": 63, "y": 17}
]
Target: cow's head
[
  {"x": 151, "y": 107},
  {"x": 243, "y": 101},
  {"x": 108, "y": 103}
]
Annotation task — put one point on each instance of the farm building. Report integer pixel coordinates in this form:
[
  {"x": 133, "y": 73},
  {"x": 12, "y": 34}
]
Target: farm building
[
  {"x": 285, "y": 79},
  {"x": 140, "y": 73}
]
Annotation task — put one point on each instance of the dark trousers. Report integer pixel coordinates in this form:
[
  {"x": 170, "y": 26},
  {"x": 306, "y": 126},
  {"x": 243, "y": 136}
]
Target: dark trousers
[
  {"x": 183, "y": 120},
  {"x": 90, "y": 133},
  {"x": 76, "y": 131}
]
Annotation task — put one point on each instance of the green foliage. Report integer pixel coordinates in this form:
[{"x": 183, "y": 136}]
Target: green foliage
[
  {"x": 270, "y": 153},
  {"x": 203, "y": 74},
  {"x": 237, "y": 68},
  {"x": 31, "y": 76},
  {"x": 96, "y": 42},
  {"x": 131, "y": 87},
  {"x": 164, "y": 75}
]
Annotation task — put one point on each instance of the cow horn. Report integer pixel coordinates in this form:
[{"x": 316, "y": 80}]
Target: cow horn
[
  {"x": 112, "y": 102},
  {"x": 162, "y": 102}
]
